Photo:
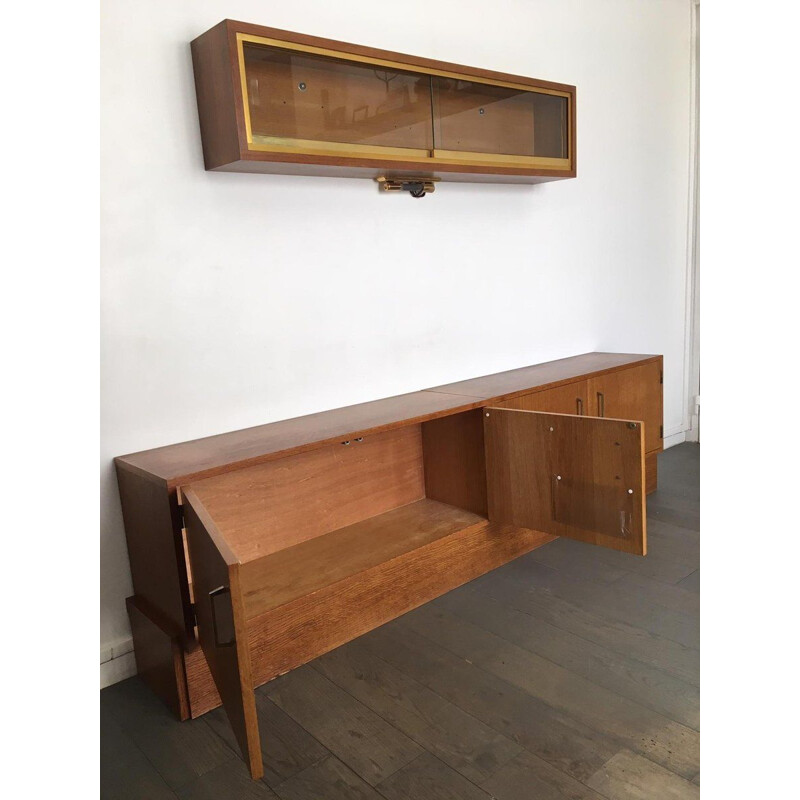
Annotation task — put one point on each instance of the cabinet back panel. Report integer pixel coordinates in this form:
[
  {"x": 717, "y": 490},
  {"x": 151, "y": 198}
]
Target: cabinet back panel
[
  {"x": 279, "y": 504},
  {"x": 455, "y": 463}
]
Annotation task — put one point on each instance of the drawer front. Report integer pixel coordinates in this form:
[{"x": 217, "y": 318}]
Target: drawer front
[
  {"x": 634, "y": 394},
  {"x": 569, "y": 399},
  {"x": 579, "y": 477}
]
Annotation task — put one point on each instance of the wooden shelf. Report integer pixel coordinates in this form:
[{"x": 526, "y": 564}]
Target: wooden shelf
[{"x": 284, "y": 576}]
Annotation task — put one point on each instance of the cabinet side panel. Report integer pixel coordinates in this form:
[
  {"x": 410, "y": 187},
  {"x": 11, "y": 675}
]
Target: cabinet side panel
[
  {"x": 455, "y": 463},
  {"x": 159, "y": 659},
  {"x": 216, "y": 104},
  {"x": 155, "y": 548}
]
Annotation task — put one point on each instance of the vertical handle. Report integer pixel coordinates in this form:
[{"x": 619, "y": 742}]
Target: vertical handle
[
  {"x": 212, "y": 596},
  {"x": 601, "y": 405},
  {"x": 579, "y": 403}
]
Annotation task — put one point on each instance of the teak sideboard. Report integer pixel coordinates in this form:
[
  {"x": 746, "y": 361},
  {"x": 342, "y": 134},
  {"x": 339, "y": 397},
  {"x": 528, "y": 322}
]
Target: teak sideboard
[{"x": 256, "y": 551}]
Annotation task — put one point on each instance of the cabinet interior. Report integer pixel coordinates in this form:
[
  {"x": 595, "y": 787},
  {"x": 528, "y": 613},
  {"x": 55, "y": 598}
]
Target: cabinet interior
[
  {"x": 298, "y": 523},
  {"x": 305, "y": 521}
]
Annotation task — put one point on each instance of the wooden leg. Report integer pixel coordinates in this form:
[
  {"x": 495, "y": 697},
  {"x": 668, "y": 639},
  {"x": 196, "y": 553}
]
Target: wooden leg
[
  {"x": 651, "y": 472},
  {"x": 159, "y": 658}
]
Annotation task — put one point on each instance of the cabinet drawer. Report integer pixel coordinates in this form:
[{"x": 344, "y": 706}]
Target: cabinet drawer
[
  {"x": 579, "y": 477},
  {"x": 635, "y": 394},
  {"x": 569, "y": 399}
]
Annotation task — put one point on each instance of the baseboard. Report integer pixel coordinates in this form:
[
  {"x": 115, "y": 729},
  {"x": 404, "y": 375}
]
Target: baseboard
[
  {"x": 117, "y": 662},
  {"x": 671, "y": 439}
]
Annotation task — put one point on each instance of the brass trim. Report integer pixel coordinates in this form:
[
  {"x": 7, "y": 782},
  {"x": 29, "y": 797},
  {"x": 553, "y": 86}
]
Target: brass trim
[
  {"x": 320, "y": 147},
  {"x": 431, "y": 158},
  {"x": 499, "y": 159}
]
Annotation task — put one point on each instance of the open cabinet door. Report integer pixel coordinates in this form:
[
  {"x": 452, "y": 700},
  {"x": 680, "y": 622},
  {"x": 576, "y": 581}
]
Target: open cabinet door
[
  {"x": 221, "y": 627},
  {"x": 579, "y": 477}
]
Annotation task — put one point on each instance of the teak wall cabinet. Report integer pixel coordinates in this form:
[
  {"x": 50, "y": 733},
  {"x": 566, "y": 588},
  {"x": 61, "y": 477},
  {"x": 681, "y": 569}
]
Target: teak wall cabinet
[
  {"x": 281, "y": 102},
  {"x": 255, "y": 551}
]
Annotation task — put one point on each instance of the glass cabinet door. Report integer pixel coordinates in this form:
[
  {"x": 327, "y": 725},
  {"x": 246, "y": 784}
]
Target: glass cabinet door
[
  {"x": 295, "y": 98},
  {"x": 479, "y": 118},
  {"x": 304, "y": 99}
]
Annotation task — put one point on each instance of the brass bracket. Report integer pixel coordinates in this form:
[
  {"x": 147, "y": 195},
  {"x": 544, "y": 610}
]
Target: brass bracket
[{"x": 418, "y": 187}]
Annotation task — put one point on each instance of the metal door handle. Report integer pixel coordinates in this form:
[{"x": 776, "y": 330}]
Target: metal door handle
[
  {"x": 601, "y": 405},
  {"x": 579, "y": 403},
  {"x": 212, "y": 596}
]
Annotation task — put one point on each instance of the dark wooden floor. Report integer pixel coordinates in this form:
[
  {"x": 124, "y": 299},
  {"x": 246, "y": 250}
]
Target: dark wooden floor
[{"x": 572, "y": 672}]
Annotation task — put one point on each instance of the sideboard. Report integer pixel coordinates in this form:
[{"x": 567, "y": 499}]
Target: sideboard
[{"x": 255, "y": 551}]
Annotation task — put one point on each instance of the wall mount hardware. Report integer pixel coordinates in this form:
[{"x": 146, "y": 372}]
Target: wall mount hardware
[{"x": 416, "y": 187}]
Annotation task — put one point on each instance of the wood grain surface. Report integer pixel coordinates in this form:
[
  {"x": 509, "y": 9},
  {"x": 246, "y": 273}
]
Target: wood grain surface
[
  {"x": 279, "y": 504},
  {"x": 214, "y": 567},
  {"x": 579, "y": 477}
]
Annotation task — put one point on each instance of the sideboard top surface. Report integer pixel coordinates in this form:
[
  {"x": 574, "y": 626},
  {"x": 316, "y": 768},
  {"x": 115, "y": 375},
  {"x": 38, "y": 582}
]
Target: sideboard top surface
[
  {"x": 503, "y": 385},
  {"x": 179, "y": 463}
]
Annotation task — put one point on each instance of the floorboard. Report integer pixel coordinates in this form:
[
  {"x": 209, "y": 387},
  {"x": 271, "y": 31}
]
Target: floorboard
[
  {"x": 527, "y": 777},
  {"x": 230, "y": 780},
  {"x": 570, "y": 674},
  {"x": 636, "y": 680},
  {"x": 458, "y": 739},
  {"x": 286, "y": 747},
  {"x": 354, "y": 733},
  {"x": 329, "y": 779},
  {"x": 427, "y": 778},
  {"x": 613, "y": 716},
  {"x": 627, "y": 776}
]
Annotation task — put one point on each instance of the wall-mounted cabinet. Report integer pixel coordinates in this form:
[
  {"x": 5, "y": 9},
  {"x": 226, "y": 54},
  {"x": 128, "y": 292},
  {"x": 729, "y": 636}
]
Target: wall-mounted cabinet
[{"x": 281, "y": 102}]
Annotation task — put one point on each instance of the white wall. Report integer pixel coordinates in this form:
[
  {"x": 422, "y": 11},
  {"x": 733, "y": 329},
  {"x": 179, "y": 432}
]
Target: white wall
[{"x": 233, "y": 300}]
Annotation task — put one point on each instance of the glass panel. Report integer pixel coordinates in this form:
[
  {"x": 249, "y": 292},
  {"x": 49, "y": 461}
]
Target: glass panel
[
  {"x": 550, "y": 126},
  {"x": 481, "y": 118},
  {"x": 294, "y": 95}
]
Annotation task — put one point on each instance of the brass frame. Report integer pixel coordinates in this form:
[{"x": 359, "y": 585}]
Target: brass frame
[{"x": 433, "y": 157}]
